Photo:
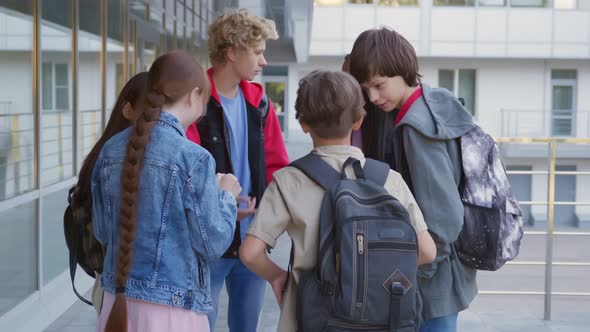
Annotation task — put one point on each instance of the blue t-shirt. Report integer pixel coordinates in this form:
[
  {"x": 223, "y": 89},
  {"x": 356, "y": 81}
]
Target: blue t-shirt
[{"x": 236, "y": 121}]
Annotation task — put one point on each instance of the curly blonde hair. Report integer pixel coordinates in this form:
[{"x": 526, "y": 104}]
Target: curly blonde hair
[{"x": 238, "y": 29}]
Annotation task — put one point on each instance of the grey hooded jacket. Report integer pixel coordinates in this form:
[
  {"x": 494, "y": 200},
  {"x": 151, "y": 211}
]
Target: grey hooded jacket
[{"x": 427, "y": 152}]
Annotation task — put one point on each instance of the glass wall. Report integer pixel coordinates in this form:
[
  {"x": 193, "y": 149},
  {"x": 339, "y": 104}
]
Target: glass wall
[
  {"x": 89, "y": 101},
  {"x": 56, "y": 91},
  {"x": 17, "y": 126},
  {"x": 18, "y": 251},
  {"x": 39, "y": 164},
  {"x": 18, "y": 254}
]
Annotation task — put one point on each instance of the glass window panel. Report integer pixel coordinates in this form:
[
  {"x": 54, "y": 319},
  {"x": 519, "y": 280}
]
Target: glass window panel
[
  {"x": 492, "y": 3},
  {"x": 276, "y": 93},
  {"x": 467, "y": 88},
  {"x": 156, "y": 18},
  {"x": 16, "y": 102},
  {"x": 62, "y": 99},
  {"x": 454, "y": 2},
  {"x": 562, "y": 127},
  {"x": 55, "y": 251},
  {"x": 115, "y": 48},
  {"x": 47, "y": 86},
  {"x": 446, "y": 79},
  {"x": 360, "y": 1},
  {"x": 275, "y": 71},
  {"x": 328, "y": 2},
  {"x": 138, "y": 9},
  {"x": 563, "y": 74},
  {"x": 89, "y": 81},
  {"x": 528, "y": 3},
  {"x": 61, "y": 74},
  {"x": 398, "y": 3},
  {"x": 18, "y": 255},
  {"x": 56, "y": 125},
  {"x": 563, "y": 97}
]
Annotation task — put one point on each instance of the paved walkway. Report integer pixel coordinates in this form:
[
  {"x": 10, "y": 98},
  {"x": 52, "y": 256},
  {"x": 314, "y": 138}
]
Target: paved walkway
[{"x": 488, "y": 313}]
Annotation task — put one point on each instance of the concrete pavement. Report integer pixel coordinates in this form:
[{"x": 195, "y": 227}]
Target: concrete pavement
[{"x": 488, "y": 313}]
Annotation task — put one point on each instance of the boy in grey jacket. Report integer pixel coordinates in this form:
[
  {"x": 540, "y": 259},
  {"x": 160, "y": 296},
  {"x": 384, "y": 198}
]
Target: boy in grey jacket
[{"x": 427, "y": 152}]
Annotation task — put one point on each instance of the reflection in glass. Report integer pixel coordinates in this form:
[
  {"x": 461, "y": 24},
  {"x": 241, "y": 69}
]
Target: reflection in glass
[
  {"x": 18, "y": 255},
  {"x": 115, "y": 13},
  {"x": 89, "y": 90},
  {"x": 528, "y": 3},
  {"x": 16, "y": 102},
  {"x": 55, "y": 251},
  {"x": 454, "y": 2},
  {"x": 56, "y": 112},
  {"x": 492, "y": 3},
  {"x": 398, "y": 3}
]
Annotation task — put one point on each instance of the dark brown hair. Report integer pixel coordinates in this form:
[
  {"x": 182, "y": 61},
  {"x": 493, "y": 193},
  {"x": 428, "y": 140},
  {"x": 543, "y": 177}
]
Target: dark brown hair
[
  {"x": 170, "y": 78},
  {"x": 130, "y": 93},
  {"x": 329, "y": 102},
  {"x": 383, "y": 52},
  {"x": 375, "y": 125}
]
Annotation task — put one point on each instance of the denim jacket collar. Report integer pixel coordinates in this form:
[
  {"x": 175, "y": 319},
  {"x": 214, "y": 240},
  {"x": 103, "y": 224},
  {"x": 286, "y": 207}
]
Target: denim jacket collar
[{"x": 169, "y": 120}]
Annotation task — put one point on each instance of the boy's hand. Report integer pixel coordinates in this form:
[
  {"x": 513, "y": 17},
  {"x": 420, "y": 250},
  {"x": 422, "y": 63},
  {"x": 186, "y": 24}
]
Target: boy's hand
[
  {"x": 250, "y": 209},
  {"x": 278, "y": 286}
]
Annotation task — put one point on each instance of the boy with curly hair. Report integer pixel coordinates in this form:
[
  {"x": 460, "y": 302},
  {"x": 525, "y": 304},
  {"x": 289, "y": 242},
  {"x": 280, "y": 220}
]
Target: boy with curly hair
[{"x": 242, "y": 132}]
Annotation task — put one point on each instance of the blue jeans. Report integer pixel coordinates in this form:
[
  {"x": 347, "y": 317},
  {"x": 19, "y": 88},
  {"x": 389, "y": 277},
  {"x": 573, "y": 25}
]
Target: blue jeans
[
  {"x": 245, "y": 291},
  {"x": 440, "y": 324}
]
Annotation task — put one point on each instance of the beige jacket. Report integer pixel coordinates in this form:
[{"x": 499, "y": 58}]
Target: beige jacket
[{"x": 292, "y": 203}]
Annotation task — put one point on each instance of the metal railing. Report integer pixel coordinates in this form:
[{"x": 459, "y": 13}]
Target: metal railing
[
  {"x": 16, "y": 140},
  {"x": 550, "y": 233},
  {"x": 540, "y": 123}
]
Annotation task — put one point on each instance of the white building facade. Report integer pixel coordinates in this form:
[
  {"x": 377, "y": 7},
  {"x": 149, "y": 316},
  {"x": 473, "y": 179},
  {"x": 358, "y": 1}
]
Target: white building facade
[{"x": 521, "y": 65}]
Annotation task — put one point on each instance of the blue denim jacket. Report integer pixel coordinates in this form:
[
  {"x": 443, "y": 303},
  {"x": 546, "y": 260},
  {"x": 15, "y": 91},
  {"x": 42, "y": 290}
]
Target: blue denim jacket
[{"x": 184, "y": 220}]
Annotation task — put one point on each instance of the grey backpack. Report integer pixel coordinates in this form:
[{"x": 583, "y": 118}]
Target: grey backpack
[
  {"x": 492, "y": 224},
  {"x": 365, "y": 278}
]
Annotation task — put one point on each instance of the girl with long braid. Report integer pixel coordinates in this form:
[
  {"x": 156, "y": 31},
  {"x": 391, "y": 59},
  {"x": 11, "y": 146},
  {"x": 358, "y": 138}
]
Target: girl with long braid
[
  {"x": 122, "y": 116},
  {"x": 160, "y": 209}
]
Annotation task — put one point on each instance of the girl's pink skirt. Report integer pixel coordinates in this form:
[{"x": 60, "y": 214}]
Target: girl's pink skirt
[{"x": 151, "y": 317}]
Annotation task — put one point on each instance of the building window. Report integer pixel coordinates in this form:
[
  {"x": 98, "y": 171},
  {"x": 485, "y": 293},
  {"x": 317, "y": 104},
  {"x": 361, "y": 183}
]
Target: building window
[
  {"x": 398, "y": 3},
  {"x": 565, "y": 4},
  {"x": 274, "y": 79},
  {"x": 492, "y": 3},
  {"x": 462, "y": 83},
  {"x": 56, "y": 87},
  {"x": 360, "y": 2},
  {"x": 528, "y": 3},
  {"x": 470, "y": 3},
  {"x": 563, "y": 105}
]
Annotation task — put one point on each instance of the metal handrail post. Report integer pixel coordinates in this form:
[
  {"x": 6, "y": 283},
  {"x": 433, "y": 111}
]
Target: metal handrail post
[{"x": 550, "y": 224}]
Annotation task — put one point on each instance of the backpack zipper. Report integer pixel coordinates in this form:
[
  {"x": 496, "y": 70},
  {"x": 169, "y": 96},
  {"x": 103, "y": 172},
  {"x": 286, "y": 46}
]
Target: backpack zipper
[
  {"x": 392, "y": 245},
  {"x": 377, "y": 199},
  {"x": 360, "y": 268}
]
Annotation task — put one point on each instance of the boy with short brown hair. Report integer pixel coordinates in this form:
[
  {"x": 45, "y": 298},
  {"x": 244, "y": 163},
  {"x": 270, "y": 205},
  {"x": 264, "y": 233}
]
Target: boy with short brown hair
[{"x": 329, "y": 106}]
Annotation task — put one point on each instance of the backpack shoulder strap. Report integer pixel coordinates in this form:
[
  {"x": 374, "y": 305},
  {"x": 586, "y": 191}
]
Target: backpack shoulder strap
[
  {"x": 318, "y": 170},
  {"x": 73, "y": 267},
  {"x": 73, "y": 246},
  {"x": 376, "y": 171}
]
